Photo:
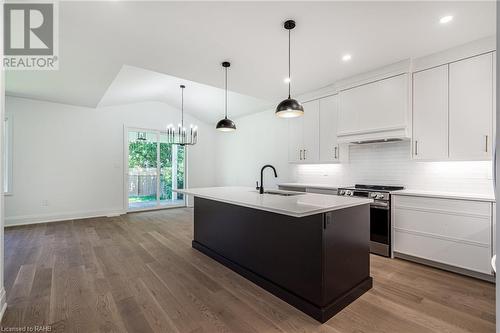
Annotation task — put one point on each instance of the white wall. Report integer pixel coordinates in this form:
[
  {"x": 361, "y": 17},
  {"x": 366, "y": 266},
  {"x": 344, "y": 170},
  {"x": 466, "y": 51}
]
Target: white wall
[
  {"x": 72, "y": 157},
  {"x": 259, "y": 139}
]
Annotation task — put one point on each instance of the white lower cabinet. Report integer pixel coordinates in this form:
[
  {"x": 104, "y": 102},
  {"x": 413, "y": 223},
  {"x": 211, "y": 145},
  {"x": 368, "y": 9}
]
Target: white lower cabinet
[{"x": 453, "y": 232}]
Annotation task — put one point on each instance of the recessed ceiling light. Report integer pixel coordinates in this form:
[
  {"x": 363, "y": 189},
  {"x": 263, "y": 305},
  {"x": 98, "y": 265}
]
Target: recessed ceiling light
[
  {"x": 445, "y": 19},
  {"x": 346, "y": 57},
  {"x": 287, "y": 80}
]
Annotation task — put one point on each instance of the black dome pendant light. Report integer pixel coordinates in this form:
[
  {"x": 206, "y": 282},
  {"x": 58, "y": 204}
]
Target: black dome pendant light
[
  {"x": 289, "y": 108},
  {"x": 226, "y": 125}
]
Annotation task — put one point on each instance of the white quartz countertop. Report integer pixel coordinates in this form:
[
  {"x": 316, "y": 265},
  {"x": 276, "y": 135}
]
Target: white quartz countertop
[
  {"x": 301, "y": 205},
  {"x": 448, "y": 195}
]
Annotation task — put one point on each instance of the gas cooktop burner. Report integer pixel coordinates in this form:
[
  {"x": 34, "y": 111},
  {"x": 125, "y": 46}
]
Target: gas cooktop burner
[{"x": 378, "y": 187}]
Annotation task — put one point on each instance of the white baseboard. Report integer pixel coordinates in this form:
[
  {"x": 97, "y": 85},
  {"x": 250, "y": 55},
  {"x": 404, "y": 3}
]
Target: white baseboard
[{"x": 45, "y": 218}]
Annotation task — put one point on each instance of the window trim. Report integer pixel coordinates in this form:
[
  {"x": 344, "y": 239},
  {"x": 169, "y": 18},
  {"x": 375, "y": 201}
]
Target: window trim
[{"x": 8, "y": 154}]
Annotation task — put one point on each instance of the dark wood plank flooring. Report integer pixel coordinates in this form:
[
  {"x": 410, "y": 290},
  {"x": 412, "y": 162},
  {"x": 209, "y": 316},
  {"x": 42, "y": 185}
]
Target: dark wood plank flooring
[{"x": 138, "y": 273}]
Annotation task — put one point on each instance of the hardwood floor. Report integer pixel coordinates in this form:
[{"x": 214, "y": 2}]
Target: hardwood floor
[{"x": 138, "y": 273}]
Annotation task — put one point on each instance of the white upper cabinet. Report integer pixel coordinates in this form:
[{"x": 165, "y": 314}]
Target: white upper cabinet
[
  {"x": 311, "y": 131},
  {"x": 471, "y": 108},
  {"x": 446, "y": 109},
  {"x": 328, "y": 117},
  {"x": 375, "y": 111},
  {"x": 303, "y": 135},
  {"x": 295, "y": 126},
  {"x": 430, "y": 113},
  {"x": 453, "y": 110}
]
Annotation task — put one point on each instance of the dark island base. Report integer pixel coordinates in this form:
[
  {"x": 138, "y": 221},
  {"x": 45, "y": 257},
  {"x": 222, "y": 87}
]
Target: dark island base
[
  {"x": 318, "y": 263},
  {"x": 321, "y": 314}
]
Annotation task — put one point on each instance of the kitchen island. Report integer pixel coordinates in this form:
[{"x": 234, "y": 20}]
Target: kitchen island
[{"x": 310, "y": 250}]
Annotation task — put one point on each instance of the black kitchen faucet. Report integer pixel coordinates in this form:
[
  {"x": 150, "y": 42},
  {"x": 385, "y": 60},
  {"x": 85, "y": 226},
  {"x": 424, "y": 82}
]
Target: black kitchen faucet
[{"x": 261, "y": 187}]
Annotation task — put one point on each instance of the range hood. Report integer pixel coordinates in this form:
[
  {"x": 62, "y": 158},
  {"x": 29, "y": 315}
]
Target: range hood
[
  {"x": 376, "y": 111},
  {"x": 396, "y": 133},
  {"x": 376, "y": 141}
]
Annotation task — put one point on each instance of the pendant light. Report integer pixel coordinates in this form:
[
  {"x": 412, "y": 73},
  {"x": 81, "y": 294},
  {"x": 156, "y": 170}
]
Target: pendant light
[
  {"x": 181, "y": 136},
  {"x": 289, "y": 108},
  {"x": 226, "y": 125}
]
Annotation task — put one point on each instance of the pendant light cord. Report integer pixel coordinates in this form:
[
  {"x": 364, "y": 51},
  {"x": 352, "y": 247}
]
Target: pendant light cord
[
  {"x": 225, "y": 95},
  {"x": 182, "y": 107},
  {"x": 289, "y": 77}
]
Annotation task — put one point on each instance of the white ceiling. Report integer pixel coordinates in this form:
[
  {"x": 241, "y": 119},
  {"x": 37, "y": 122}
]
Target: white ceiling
[
  {"x": 133, "y": 84},
  {"x": 189, "y": 40}
]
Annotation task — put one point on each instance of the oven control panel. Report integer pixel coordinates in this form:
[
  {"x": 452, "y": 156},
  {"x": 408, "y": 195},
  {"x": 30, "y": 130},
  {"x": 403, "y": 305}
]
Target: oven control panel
[
  {"x": 363, "y": 193},
  {"x": 379, "y": 196},
  {"x": 348, "y": 193}
]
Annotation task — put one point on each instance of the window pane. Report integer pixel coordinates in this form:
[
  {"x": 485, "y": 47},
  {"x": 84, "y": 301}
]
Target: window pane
[
  {"x": 142, "y": 180},
  {"x": 171, "y": 173},
  {"x": 7, "y": 163}
]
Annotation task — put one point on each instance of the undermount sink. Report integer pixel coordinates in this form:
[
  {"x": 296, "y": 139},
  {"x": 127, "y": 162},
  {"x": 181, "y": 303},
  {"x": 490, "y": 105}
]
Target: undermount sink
[{"x": 261, "y": 189}]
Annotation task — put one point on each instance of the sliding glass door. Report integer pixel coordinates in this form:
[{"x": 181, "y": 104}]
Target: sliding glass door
[
  {"x": 155, "y": 168},
  {"x": 171, "y": 172}
]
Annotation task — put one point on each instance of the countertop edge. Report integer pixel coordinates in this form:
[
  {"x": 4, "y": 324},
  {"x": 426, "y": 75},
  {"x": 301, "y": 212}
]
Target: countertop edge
[
  {"x": 277, "y": 211},
  {"x": 406, "y": 192},
  {"x": 445, "y": 195}
]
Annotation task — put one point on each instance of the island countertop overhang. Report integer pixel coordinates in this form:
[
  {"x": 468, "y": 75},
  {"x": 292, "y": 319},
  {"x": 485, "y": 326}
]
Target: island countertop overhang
[{"x": 303, "y": 204}]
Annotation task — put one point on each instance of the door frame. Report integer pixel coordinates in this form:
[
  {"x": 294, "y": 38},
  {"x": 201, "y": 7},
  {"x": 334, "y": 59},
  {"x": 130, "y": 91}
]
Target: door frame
[{"x": 126, "y": 130}]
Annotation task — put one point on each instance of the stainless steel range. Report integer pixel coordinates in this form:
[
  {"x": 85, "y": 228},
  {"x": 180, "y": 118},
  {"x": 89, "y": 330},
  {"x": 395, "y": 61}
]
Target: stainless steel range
[{"x": 380, "y": 214}]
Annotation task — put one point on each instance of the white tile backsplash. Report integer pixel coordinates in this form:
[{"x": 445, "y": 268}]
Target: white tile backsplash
[{"x": 391, "y": 164}]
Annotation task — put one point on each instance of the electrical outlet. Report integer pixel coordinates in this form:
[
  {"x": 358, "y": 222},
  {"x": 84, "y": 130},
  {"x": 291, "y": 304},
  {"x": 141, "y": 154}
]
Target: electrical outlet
[{"x": 45, "y": 203}]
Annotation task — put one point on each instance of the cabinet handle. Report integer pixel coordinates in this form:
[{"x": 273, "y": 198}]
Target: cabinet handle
[
  {"x": 486, "y": 143},
  {"x": 305, "y": 150},
  {"x": 300, "y": 155},
  {"x": 335, "y": 153},
  {"x": 327, "y": 220},
  {"x": 416, "y": 147}
]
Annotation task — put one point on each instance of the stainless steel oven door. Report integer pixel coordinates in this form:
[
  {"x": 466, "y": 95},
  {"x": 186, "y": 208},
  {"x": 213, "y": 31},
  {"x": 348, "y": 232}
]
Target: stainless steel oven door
[{"x": 380, "y": 228}]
